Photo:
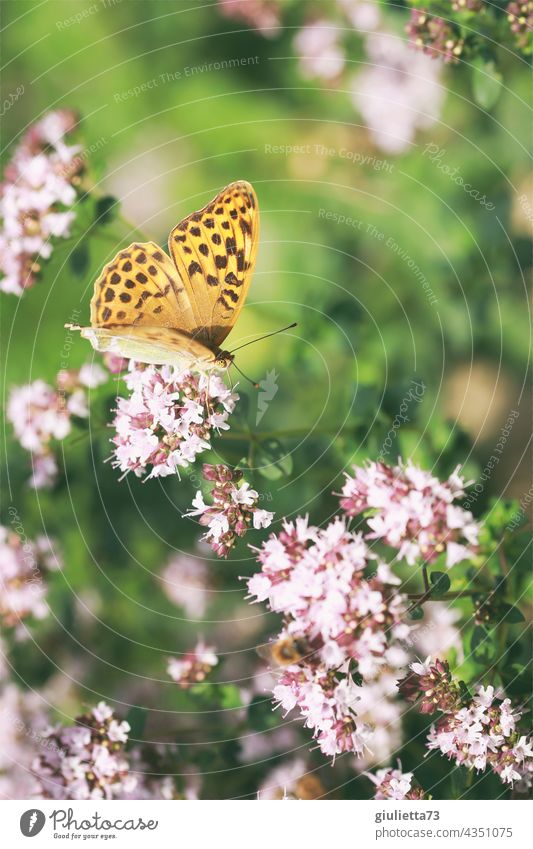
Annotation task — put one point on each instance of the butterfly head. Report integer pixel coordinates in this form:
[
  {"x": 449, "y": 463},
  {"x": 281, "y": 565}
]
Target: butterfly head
[{"x": 224, "y": 359}]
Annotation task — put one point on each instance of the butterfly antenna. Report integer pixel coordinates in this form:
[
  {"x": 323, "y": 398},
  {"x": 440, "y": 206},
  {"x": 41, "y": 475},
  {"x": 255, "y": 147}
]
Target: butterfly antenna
[
  {"x": 260, "y": 338},
  {"x": 254, "y": 383}
]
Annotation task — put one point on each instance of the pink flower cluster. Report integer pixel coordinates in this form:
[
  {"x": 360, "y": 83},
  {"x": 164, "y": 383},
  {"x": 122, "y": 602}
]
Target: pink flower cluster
[
  {"x": 326, "y": 699},
  {"x": 395, "y": 784},
  {"x": 520, "y": 17},
  {"x": 434, "y": 36},
  {"x": 340, "y": 602},
  {"x": 35, "y": 197},
  {"x": 412, "y": 511},
  {"x": 23, "y": 565},
  {"x": 476, "y": 732},
  {"x": 234, "y": 509},
  {"x": 168, "y": 419},
  {"x": 41, "y": 413},
  {"x": 193, "y": 667},
  {"x": 87, "y": 760},
  {"x": 318, "y": 578}
]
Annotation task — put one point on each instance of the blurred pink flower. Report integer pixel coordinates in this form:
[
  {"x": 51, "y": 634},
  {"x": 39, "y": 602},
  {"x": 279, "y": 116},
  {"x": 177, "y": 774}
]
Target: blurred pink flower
[
  {"x": 363, "y": 15},
  {"x": 41, "y": 413},
  {"x": 185, "y": 580},
  {"x": 35, "y": 199},
  {"x": 520, "y": 17},
  {"x": 194, "y": 666},
  {"x": 398, "y": 94},
  {"x": 23, "y": 567},
  {"x": 293, "y": 779},
  {"x": 317, "y": 45},
  {"x": 22, "y": 730},
  {"x": 263, "y": 15}
]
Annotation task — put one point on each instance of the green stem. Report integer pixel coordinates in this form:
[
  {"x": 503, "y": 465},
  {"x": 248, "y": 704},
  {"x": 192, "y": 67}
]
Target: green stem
[
  {"x": 287, "y": 433},
  {"x": 421, "y": 598}
]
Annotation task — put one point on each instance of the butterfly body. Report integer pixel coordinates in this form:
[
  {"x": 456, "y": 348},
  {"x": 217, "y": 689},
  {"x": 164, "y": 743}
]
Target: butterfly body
[{"x": 177, "y": 310}]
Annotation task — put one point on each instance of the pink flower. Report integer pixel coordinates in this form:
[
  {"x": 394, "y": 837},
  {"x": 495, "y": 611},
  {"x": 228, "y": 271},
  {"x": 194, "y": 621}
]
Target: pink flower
[
  {"x": 432, "y": 683},
  {"x": 23, "y": 567},
  {"x": 412, "y": 511},
  {"x": 35, "y": 199},
  {"x": 86, "y": 760},
  {"x": 233, "y": 512},
  {"x": 194, "y": 666},
  {"x": 168, "y": 419},
  {"x": 395, "y": 784}
]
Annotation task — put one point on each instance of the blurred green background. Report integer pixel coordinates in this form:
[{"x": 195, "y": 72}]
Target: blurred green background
[{"x": 366, "y": 327}]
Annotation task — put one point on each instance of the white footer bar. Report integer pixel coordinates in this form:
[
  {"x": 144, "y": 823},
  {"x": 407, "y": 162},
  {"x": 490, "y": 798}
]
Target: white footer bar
[{"x": 268, "y": 825}]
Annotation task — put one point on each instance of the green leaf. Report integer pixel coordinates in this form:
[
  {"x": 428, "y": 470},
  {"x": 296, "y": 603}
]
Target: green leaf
[
  {"x": 482, "y": 645},
  {"x": 486, "y": 82},
  {"x": 79, "y": 259},
  {"x": 272, "y": 459},
  {"x": 106, "y": 209},
  {"x": 416, "y": 613},
  {"x": 441, "y": 584},
  {"x": 510, "y": 613}
]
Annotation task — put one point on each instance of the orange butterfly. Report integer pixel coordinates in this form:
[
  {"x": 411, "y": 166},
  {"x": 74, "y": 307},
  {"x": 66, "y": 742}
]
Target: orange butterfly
[{"x": 152, "y": 309}]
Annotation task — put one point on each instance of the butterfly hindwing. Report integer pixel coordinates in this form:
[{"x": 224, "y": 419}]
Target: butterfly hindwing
[
  {"x": 141, "y": 286},
  {"x": 214, "y": 251}
]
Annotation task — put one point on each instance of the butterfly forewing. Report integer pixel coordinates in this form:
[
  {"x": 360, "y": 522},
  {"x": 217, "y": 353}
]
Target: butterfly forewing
[
  {"x": 214, "y": 251},
  {"x": 156, "y": 345},
  {"x": 141, "y": 286}
]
